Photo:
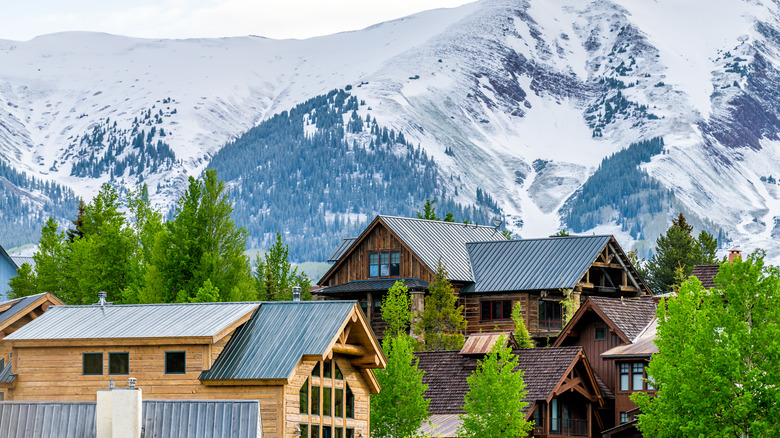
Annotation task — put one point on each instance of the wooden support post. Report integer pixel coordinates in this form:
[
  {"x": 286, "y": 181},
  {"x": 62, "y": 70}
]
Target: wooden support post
[{"x": 370, "y": 308}]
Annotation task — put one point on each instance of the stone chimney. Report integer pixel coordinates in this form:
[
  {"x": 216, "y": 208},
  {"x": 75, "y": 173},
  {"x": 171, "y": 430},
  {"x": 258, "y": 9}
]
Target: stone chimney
[
  {"x": 119, "y": 412},
  {"x": 734, "y": 254}
]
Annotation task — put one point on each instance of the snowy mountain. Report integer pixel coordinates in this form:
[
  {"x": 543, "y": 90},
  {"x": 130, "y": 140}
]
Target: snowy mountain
[{"x": 525, "y": 100}]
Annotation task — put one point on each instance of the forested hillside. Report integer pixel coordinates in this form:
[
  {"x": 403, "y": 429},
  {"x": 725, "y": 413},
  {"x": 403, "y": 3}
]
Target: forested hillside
[{"x": 320, "y": 170}]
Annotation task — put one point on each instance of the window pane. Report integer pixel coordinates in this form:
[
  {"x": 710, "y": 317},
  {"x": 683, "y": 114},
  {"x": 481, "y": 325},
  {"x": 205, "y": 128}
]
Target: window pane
[
  {"x": 601, "y": 333},
  {"x": 485, "y": 313},
  {"x": 326, "y": 432},
  {"x": 384, "y": 270},
  {"x": 315, "y": 400},
  {"x": 315, "y": 431},
  {"x": 339, "y": 432},
  {"x": 637, "y": 374},
  {"x": 175, "y": 362},
  {"x": 92, "y": 364},
  {"x": 395, "y": 263},
  {"x": 496, "y": 309},
  {"x": 542, "y": 313},
  {"x": 623, "y": 417},
  {"x": 350, "y": 403},
  {"x": 384, "y": 258},
  {"x": 506, "y": 311},
  {"x": 624, "y": 377},
  {"x": 373, "y": 271},
  {"x": 303, "y": 398},
  {"x": 373, "y": 259},
  {"x": 350, "y": 433},
  {"x": 338, "y": 401},
  {"x": 373, "y": 265},
  {"x": 339, "y": 376},
  {"x": 316, "y": 371},
  {"x": 118, "y": 363},
  {"x": 326, "y": 367},
  {"x": 326, "y": 401},
  {"x": 304, "y": 430},
  {"x": 395, "y": 257}
]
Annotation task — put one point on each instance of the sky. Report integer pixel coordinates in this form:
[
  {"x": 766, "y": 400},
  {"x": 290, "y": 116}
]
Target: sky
[{"x": 24, "y": 20}]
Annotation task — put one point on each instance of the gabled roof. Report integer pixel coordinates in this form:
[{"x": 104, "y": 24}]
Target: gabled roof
[
  {"x": 706, "y": 274},
  {"x": 341, "y": 249},
  {"x": 642, "y": 346},
  {"x": 430, "y": 241},
  {"x": 382, "y": 284},
  {"x": 161, "y": 418},
  {"x": 181, "y": 320},
  {"x": 482, "y": 343},
  {"x": 279, "y": 334},
  {"x": 446, "y": 373},
  {"x": 627, "y": 316},
  {"x": 12, "y": 310},
  {"x": 533, "y": 264},
  {"x": 8, "y": 258}
]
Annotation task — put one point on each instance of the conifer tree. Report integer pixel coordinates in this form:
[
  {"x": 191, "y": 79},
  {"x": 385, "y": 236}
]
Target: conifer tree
[
  {"x": 441, "y": 323},
  {"x": 275, "y": 277},
  {"x": 522, "y": 337}
]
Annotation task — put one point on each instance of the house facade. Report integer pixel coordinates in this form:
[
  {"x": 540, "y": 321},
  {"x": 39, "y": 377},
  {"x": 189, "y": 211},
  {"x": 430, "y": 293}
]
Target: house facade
[
  {"x": 308, "y": 364},
  {"x": 8, "y": 269}
]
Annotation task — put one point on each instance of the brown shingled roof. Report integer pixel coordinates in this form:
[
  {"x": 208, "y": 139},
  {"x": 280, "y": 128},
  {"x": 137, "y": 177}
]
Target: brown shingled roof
[
  {"x": 446, "y": 373},
  {"x": 705, "y": 274},
  {"x": 630, "y": 315}
]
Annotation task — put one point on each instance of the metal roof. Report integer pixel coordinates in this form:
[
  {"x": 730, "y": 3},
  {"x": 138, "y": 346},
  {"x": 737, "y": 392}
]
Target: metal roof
[
  {"x": 160, "y": 419},
  {"x": 341, "y": 249},
  {"x": 19, "y": 260},
  {"x": 18, "y": 305},
  {"x": 642, "y": 346},
  {"x": 532, "y": 264},
  {"x": 47, "y": 419},
  {"x": 276, "y": 337},
  {"x": 374, "y": 285},
  {"x": 435, "y": 240},
  {"x": 6, "y": 376},
  {"x": 134, "y": 321},
  {"x": 482, "y": 343},
  {"x": 201, "y": 419}
]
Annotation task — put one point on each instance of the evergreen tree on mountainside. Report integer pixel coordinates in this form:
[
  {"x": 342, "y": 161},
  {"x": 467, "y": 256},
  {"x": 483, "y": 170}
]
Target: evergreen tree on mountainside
[
  {"x": 275, "y": 277},
  {"x": 678, "y": 250}
]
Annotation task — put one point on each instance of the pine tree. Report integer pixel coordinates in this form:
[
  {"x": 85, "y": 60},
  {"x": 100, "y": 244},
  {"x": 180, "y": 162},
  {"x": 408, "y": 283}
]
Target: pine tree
[
  {"x": 24, "y": 283},
  {"x": 522, "y": 337},
  {"x": 275, "y": 277},
  {"x": 78, "y": 223},
  {"x": 441, "y": 324}
]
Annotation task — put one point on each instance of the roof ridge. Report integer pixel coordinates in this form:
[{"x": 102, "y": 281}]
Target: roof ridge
[
  {"x": 109, "y": 306},
  {"x": 436, "y": 221},
  {"x": 541, "y": 238}
]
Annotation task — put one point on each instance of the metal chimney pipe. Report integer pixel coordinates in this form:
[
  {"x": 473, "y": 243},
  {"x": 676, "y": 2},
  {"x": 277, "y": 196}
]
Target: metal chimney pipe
[
  {"x": 102, "y": 296},
  {"x": 296, "y": 293}
]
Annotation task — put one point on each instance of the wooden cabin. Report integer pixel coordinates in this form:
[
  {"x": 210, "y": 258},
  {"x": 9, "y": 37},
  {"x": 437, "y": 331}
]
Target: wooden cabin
[
  {"x": 563, "y": 393},
  {"x": 308, "y": 364},
  {"x": 606, "y": 328}
]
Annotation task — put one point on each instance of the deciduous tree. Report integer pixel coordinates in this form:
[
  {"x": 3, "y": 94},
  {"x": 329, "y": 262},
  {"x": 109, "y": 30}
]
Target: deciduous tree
[
  {"x": 441, "y": 323},
  {"x": 522, "y": 337},
  {"x": 275, "y": 277}
]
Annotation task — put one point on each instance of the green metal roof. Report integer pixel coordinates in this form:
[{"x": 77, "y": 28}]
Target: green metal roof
[{"x": 277, "y": 336}]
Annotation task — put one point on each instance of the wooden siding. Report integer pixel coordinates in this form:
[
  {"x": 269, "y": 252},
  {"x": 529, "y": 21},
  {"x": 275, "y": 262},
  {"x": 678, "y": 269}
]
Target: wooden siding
[
  {"x": 352, "y": 377},
  {"x": 354, "y": 266}
]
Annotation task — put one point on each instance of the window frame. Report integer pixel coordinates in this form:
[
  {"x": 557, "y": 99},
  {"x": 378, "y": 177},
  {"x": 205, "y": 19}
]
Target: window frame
[
  {"x": 182, "y": 352},
  {"x": 117, "y": 353},
  {"x": 624, "y": 371},
  {"x": 638, "y": 377},
  {"x": 83, "y": 363},
  {"x": 603, "y": 331},
  {"x": 550, "y": 324},
  {"x": 505, "y": 305},
  {"x": 387, "y": 260}
]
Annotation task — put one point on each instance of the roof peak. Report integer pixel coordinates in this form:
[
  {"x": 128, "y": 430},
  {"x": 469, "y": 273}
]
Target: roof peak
[
  {"x": 435, "y": 221},
  {"x": 590, "y": 236}
]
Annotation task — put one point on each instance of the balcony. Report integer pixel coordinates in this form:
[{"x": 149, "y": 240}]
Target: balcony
[{"x": 570, "y": 427}]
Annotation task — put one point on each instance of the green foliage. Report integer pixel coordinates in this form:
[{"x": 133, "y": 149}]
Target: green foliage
[
  {"x": 493, "y": 405},
  {"x": 678, "y": 249},
  {"x": 24, "y": 283},
  {"x": 396, "y": 310},
  {"x": 206, "y": 293},
  {"x": 400, "y": 408},
  {"x": 522, "y": 337},
  {"x": 441, "y": 323},
  {"x": 570, "y": 304},
  {"x": 275, "y": 276},
  {"x": 717, "y": 370}
]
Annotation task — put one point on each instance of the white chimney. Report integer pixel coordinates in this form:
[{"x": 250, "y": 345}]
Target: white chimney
[
  {"x": 119, "y": 412},
  {"x": 296, "y": 293}
]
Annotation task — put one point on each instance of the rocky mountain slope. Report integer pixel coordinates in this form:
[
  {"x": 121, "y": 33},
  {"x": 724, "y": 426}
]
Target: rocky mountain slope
[{"x": 664, "y": 106}]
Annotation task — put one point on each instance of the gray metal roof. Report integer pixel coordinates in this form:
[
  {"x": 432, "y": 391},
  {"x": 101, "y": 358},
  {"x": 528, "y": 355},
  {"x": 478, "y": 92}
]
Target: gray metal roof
[
  {"x": 532, "y": 264},
  {"x": 18, "y": 305},
  {"x": 19, "y": 260},
  {"x": 434, "y": 240},
  {"x": 134, "y": 321},
  {"x": 6, "y": 376},
  {"x": 47, "y": 419},
  {"x": 201, "y": 419},
  {"x": 274, "y": 340},
  {"x": 341, "y": 249},
  {"x": 374, "y": 285},
  {"x": 161, "y": 419}
]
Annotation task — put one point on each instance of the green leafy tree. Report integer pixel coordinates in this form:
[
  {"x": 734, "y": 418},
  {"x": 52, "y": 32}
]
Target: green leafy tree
[
  {"x": 522, "y": 337},
  {"x": 570, "y": 304},
  {"x": 396, "y": 310},
  {"x": 206, "y": 293},
  {"x": 678, "y": 248},
  {"x": 24, "y": 283},
  {"x": 275, "y": 277},
  {"x": 717, "y": 370},
  {"x": 400, "y": 408},
  {"x": 50, "y": 261},
  {"x": 495, "y": 399},
  {"x": 441, "y": 323}
]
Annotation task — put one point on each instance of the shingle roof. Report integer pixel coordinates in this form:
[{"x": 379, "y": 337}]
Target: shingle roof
[
  {"x": 341, "y": 249},
  {"x": 278, "y": 334},
  {"x": 134, "y": 321},
  {"x": 532, "y": 264},
  {"x": 446, "y": 373},
  {"x": 706, "y": 274},
  {"x": 161, "y": 418},
  {"x": 630, "y": 315},
  {"x": 374, "y": 285},
  {"x": 434, "y": 240},
  {"x": 18, "y": 305}
]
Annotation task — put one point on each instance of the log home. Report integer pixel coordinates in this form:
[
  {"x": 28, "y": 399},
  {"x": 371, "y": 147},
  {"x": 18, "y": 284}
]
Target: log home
[
  {"x": 308, "y": 364},
  {"x": 563, "y": 393}
]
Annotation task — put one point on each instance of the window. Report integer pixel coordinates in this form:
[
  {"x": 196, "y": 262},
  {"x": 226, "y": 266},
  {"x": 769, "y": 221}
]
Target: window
[
  {"x": 316, "y": 371},
  {"x": 350, "y": 403},
  {"x": 315, "y": 400},
  {"x": 304, "y": 430},
  {"x": 339, "y": 375},
  {"x": 550, "y": 316},
  {"x": 315, "y": 431},
  {"x": 303, "y": 398},
  {"x": 624, "y": 377},
  {"x": 496, "y": 310},
  {"x": 175, "y": 362},
  {"x": 118, "y": 363},
  {"x": 350, "y": 433},
  {"x": 601, "y": 333},
  {"x": 555, "y": 425},
  {"x": 623, "y": 417},
  {"x": 326, "y": 401},
  {"x": 92, "y": 364},
  {"x": 339, "y": 432},
  {"x": 338, "y": 401},
  {"x": 650, "y": 386},
  {"x": 384, "y": 264},
  {"x": 327, "y": 366},
  {"x": 326, "y": 432},
  {"x": 637, "y": 374}
]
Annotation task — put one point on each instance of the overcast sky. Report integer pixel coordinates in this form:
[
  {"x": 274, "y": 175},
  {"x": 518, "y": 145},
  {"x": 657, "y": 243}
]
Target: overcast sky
[{"x": 23, "y": 20}]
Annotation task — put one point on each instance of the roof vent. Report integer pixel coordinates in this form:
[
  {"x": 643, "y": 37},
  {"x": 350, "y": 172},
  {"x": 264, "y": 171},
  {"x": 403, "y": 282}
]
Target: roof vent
[
  {"x": 102, "y": 296},
  {"x": 296, "y": 293}
]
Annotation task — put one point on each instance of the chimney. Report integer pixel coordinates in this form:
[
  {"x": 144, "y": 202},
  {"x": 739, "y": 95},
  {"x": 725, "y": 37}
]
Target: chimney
[
  {"x": 102, "y": 297},
  {"x": 119, "y": 412},
  {"x": 734, "y": 254},
  {"x": 296, "y": 293}
]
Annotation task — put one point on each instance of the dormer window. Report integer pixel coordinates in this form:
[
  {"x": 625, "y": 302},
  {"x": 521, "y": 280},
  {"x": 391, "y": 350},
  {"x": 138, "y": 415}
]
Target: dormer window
[{"x": 384, "y": 264}]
